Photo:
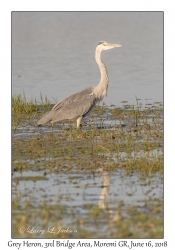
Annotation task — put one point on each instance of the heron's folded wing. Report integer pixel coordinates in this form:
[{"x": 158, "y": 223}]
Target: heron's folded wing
[
  {"x": 80, "y": 96},
  {"x": 75, "y": 109}
]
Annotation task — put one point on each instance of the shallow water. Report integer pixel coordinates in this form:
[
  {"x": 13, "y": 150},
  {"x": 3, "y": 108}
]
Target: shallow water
[
  {"x": 96, "y": 188},
  {"x": 80, "y": 171},
  {"x": 53, "y": 53}
]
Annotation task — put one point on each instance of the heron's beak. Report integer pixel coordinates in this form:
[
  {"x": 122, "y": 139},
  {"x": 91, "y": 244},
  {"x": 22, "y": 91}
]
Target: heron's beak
[{"x": 116, "y": 45}]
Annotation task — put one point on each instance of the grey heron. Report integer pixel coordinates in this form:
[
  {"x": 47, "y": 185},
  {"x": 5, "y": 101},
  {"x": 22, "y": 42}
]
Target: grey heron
[{"x": 80, "y": 104}]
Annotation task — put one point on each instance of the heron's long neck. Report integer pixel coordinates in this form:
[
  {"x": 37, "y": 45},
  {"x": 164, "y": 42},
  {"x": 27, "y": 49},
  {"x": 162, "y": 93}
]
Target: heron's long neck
[{"x": 101, "y": 88}]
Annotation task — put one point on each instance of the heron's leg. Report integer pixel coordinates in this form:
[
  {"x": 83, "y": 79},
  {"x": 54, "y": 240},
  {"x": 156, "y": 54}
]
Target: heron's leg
[{"x": 79, "y": 121}]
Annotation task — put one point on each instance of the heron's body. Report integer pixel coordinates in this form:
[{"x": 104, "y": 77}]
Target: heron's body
[{"x": 80, "y": 104}]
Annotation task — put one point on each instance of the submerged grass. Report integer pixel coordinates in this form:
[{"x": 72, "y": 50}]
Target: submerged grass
[
  {"x": 49, "y": 218},
  {"x": 126, "y": 139}
]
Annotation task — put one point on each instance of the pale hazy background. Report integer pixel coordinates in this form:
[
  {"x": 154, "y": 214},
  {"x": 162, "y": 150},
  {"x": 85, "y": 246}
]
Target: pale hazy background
[{"x": 53, "y": 53}]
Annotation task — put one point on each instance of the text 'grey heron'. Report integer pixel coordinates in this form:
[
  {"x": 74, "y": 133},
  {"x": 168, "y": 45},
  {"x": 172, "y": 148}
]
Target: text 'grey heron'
[{"x": 80, "y": 104}]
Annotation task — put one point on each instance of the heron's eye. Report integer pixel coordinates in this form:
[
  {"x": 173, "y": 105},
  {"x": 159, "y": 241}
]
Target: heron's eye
[{"x": 105, "y": 44}]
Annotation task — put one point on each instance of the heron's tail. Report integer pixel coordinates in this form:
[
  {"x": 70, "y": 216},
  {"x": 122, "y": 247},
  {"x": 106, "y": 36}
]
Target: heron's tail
[{"x": 47, "y": 117}]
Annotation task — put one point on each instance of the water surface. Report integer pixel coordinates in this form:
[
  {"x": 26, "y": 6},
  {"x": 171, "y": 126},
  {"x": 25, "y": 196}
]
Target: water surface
[{"x": 53, "y": 54}]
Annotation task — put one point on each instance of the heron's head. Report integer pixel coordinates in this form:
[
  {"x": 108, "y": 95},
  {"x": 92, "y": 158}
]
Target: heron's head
[{"x": 105, "y": 45}]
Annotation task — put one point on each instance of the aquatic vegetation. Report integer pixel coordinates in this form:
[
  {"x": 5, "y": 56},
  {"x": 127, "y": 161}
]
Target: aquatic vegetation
[
  {"x": 105, "y": 177},
  {"x": 20, "y": 105}
]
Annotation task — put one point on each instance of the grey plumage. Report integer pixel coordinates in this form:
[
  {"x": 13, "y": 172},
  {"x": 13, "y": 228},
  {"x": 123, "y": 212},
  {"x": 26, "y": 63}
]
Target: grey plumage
[{"x": 80, "y": 104}]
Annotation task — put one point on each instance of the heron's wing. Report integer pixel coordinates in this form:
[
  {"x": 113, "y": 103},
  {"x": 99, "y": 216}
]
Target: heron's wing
[
  {"x": 74, "y": 108},
  {"x": 74, "y": 98}
]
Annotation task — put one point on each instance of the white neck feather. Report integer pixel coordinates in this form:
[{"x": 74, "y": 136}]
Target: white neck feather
[{"x": 101, "y": 89}]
